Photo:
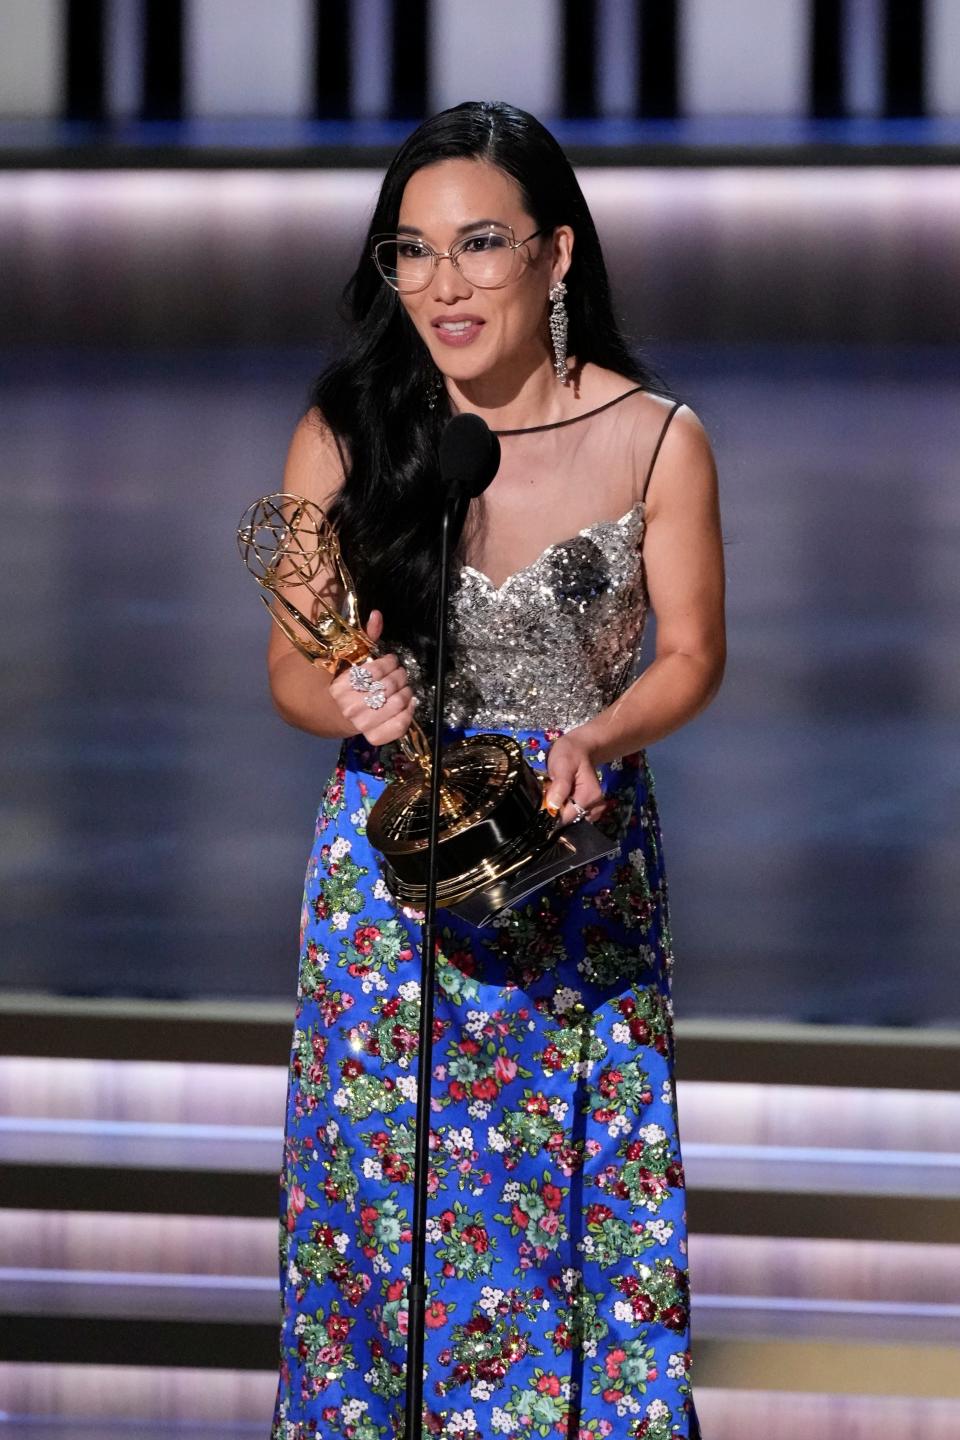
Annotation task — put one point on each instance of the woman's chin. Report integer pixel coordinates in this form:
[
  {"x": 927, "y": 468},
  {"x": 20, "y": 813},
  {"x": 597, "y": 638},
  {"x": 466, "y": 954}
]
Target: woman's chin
[
  {"x": 464, "y": 376},
  {"x": 465, "y": 367},
  {"x": 461, "y": 366}
]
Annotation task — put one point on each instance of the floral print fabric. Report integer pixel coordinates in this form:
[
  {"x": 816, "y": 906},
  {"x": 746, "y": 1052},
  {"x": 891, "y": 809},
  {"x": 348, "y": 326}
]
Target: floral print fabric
[{"x": 556, "y": 1236}]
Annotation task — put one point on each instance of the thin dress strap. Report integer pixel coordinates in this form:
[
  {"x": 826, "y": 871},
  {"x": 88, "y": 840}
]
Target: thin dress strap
[
  {"x": 656, "y": 448},
  {"x": 574, "y": 419}
]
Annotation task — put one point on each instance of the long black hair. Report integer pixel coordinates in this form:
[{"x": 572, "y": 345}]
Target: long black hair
[{"x": 375, "y": 396}]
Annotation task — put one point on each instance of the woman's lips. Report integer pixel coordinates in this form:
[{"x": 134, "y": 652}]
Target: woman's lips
[{"x": 457, "y": 330}]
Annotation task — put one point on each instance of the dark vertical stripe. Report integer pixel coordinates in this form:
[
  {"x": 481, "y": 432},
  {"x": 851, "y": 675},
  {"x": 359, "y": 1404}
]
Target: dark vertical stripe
[
  {"x": 163, "y": 60},
  {"x": 826, "y": 59},
  {"x": 657, "y": 68},
  {"x": 409, "y": 60},
  {"x": 903, "y": 66},
  {"x": 85, "y": 98},
  {"x": 333, "y": 34},
  {"x": 580, "y": 58}
]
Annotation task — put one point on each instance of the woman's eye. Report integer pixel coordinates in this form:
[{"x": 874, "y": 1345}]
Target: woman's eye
[
  {"x": 476, "y": 244},
  {"x": 410, "y": 250}
]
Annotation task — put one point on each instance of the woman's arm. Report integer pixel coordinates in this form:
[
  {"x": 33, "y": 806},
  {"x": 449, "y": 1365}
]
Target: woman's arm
[
  {"x": 683, "y": 556},
  {"x": 300, "y": 689},
  {"x": 304, "y": 693}
]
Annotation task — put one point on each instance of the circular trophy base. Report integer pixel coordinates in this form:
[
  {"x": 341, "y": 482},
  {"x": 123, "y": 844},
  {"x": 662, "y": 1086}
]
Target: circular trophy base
[
  {"x": 487, "y": 872},
  {"x": 492, "y": 821}
]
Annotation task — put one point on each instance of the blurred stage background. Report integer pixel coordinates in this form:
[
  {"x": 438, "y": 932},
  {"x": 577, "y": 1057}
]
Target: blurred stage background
[{"x": 184, "y": 185}]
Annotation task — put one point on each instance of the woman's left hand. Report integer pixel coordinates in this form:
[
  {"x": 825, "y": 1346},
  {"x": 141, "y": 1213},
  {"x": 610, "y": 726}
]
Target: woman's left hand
[{"x": 573, "y": 780}]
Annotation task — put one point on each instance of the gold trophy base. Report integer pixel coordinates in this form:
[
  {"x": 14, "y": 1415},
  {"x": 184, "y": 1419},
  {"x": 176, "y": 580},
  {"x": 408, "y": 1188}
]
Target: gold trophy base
[{"x": 492, "y": 821}]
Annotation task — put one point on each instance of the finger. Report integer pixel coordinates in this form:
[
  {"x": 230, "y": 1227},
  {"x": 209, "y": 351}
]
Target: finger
[
  {"x": 587, "y": 790},
  {"x": 571, "y": 815},
  {"x": 561, "y": 770},
  {"x": 586, "y": 799},
  {"x": 374, "y": 626},
  {"x": 386, "y": 672},
  {"x": 384, "y": 665},
  {"x": 377, "y": 667},
  {"x": 393, "y": 682},
  {"x": 393, "y": 729},
  {"x": 364, "y": 716}
]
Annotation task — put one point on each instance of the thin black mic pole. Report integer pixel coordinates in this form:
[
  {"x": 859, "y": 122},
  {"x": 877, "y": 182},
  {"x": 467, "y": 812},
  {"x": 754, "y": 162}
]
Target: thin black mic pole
[
  {"x": 469, "y": 454},
  {"x": 416, "y": 1288}
]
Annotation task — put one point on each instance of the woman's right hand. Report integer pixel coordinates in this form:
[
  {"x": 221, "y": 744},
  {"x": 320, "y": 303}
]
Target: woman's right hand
[{"x": 394, "y": 717}]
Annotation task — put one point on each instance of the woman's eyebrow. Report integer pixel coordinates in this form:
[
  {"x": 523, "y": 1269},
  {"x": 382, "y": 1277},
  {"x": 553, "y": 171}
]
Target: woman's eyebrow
[{"x": 462, "y": 230}]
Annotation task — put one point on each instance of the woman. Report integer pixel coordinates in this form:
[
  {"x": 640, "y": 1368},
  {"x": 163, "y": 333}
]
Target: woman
[{"x": 558, "y": 1293}]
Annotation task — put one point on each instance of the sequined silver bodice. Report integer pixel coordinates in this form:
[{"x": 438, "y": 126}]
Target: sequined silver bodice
[
  {"x": 557, "y": 642},
  {"x": 559, "y": 639}
]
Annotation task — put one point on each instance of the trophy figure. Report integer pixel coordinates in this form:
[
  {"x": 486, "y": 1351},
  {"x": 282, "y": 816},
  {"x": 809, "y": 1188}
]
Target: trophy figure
[{"x": 491, "y": 815}]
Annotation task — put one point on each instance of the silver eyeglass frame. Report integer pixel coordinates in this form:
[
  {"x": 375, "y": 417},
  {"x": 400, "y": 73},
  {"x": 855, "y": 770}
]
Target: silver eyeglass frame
[{"x": 452, "y": 255}]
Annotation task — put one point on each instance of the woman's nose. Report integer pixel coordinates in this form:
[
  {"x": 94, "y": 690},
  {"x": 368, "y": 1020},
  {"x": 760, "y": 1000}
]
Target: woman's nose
[{"x": 448, "y": 283}]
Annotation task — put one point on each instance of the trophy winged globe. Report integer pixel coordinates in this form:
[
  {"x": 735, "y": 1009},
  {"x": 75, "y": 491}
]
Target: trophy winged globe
[{"x": 491, "y": 814}]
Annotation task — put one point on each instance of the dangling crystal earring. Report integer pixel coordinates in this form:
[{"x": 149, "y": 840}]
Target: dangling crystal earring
[
  {"x": 434, "y": 389},
  {"x": 558, "y": 329}
]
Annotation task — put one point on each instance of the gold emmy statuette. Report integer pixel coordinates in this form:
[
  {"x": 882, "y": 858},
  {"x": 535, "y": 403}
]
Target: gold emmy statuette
[{"x": 492, "y": 819}]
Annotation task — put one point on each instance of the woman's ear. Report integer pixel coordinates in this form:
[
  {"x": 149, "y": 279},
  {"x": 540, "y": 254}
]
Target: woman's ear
[{"x": 562, "y": 253}]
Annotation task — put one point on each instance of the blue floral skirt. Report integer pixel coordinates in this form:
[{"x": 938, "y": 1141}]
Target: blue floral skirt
[{"x": 558, "y": 1296}]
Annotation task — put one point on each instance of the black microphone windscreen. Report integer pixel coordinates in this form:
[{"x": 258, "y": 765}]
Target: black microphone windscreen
[{"x": 469, "y": 456}]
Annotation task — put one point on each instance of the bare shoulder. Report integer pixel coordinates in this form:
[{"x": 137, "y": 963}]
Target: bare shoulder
[
  {"x": 314, "y": 465},
  {"x": 686, "y": 434},
  {"x": 685, "y": 471}
]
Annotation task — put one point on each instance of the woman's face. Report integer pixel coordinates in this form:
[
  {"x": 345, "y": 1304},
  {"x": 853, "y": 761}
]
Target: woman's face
[{"x": 471, "y": 331}]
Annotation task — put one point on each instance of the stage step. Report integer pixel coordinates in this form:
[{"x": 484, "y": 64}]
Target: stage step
[
  {"x": 252, "y": 1300},
  {"x": 138, "y": 1146},
  {"x": 28, "y": 1427},
  {"x": 190, "y": 1320},
  {"x": 208, "y": 1168},
  {"x": 223, "y": 1246},
  {"x": 258, "y": 1033},
  {"x": 827, "y": 1214},
  {"x": 824, "y": 1223},
  {"x": 86, "y": 1402},
  {"x": 135, "y": 1402}
]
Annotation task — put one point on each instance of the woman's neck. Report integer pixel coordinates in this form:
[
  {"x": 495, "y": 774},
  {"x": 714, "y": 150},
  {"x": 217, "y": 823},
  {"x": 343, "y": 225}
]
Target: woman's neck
[{"x": 516, "y": 401}]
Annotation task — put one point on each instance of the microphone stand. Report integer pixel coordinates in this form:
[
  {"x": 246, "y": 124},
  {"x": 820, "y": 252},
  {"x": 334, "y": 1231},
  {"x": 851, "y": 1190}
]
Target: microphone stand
[{"x": 416, "y": 1288}]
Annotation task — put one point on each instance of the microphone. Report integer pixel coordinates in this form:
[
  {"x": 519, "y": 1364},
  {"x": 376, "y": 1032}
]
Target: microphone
[{"x": 469, "y": 454}]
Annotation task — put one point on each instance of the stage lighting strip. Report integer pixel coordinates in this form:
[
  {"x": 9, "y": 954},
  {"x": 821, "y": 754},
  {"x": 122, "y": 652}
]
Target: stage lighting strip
[
  {"x": 71, "y": 1427},
  {"x": 118, "y": 1093},
  {"x": 261, "y": 1284},
  {"x": 883, "y": 1168},
  {"x": 134, "y": 1279},
  {"x": 140, "y": 1129},
  {"x": 726, "y": 1414},
  {"x": 947, "y": 1315}
]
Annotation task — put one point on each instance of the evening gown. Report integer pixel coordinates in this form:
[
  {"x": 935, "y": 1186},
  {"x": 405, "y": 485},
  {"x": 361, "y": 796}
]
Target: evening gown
[{"x": 558, "y": 1294}]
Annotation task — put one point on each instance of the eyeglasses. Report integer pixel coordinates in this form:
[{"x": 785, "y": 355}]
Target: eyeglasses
[{"x": 485, "y": 259}]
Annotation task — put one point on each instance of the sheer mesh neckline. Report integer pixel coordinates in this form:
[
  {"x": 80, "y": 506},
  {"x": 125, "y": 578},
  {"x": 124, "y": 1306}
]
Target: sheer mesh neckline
[
  {"x": 548, "y": 550},
  {"x": 572, "y": 419},
  {"x": 562, "y": 486}
]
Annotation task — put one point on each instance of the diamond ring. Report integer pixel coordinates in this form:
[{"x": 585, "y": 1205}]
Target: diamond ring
[
  {"x": 376, "y": 695},
  {"x": 360, "y": 678},
  {"x": 579, "y": 812}
]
